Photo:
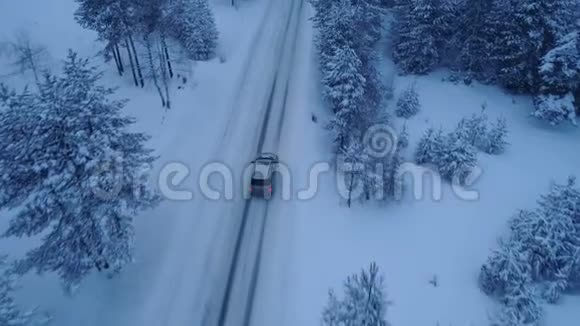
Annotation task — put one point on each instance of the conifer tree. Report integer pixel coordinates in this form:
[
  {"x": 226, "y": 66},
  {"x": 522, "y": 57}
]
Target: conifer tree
[{"x": 74, "y": 171}]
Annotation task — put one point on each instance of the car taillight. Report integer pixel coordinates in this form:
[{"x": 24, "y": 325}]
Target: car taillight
[
  {"x": 270, "y": 189},
  {"x": 250, "y": 189}
]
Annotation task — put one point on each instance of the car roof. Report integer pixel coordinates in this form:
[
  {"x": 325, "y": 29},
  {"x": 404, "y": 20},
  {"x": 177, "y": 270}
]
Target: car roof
[{"x": 262, "y": 168}]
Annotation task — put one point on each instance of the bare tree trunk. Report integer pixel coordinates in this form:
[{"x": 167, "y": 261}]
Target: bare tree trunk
[
  {"x": 577, "y": 100},
  {"x": 116, "y": 50},
  {"x": 153, "y": 68},
  {"x": 350, "y": 189},
  {"x": 117, "y": 61},
  {"x": 131, "y": 62},
  {"x": 166, "y": 52},
  {"x": 33, "y": 66},
  {"x": 137, "y": 64},
  {"x": 164, "y": 76}
]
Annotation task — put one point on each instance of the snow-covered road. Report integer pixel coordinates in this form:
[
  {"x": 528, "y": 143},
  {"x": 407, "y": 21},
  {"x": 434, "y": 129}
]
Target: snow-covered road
[
  {"x": 211, "y": 267},
  {"x": 232, "y": 298}
]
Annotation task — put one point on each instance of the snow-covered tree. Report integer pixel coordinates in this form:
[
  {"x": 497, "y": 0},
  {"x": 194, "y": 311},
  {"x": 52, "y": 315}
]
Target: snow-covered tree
[
  {"x": 555, "y": 109},
  {"x": 416, "y": 49},
  {"x": 456, "y": 159},
  {"x": 343, "y": 84},
  {"x": 495, "y": 141},
  {"x": 10, "y": 313},
  {"x": 541, "y": 257},
  {"x": 369, "y": 23},
  {"x": 192, "y": 23},
  {"x": 474, "y": 37},
  {"x": 520, "y": 307},
  {"x": 526, "y": 31},
  {"x": 430, "y": 146},
  {"x": 355, "y": 162},
  {"x": 111, "y": 19},
  {"x": 322, "y": 10},
  {"x": 408, "y": 103},
  {"x": 74, "y": 171},
  {"x": 473, "y": 129},
  {"x": 335, "y": 31},
  {"x": 563, "y": 198},
  {"x": 560, "y": 68},
  {"x": 510, "y": 49},
  {"x": 392, "y": 180},
  {"x": 403, "y": 139},
  {"x": 343, "y": 88},
  {"x": 114, "y": 21},
  {"x": 364, "y": 302},
  {"x": 506, "y": 264},
  {"x": 549, "y": 242}
]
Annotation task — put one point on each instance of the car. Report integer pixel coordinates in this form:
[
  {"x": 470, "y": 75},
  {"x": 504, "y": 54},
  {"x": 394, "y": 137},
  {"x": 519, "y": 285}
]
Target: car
[{"x": 263, "y": 170}]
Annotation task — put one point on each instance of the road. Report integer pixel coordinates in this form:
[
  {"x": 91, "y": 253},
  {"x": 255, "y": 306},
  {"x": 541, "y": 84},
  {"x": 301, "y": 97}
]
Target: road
[{"x": 237, "y": 269}]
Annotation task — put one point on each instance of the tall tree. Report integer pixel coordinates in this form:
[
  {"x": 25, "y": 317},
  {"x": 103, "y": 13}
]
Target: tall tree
[
  {"x": 192, "y": 23},
  {"x": 474, "y": 37},
  {"x": 343, "y": 88},
  {"x": 526, "y": 31},
  {"x": 560, "y": 69},
  {"x": 75, "y": 173},
  {"x": 417, "y": 45}
]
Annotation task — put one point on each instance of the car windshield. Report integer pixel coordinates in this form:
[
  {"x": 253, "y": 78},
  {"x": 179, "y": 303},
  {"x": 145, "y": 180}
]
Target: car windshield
[{"x": 260, "y": 182}]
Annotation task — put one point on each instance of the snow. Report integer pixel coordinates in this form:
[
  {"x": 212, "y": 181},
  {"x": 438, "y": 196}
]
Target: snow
[{"x": 310, "y": 245}]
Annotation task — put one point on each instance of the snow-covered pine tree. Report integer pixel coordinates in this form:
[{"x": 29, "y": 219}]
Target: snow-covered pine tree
[
  {"x": 74, "y": 171},
  {"x": 503, "y": 267},
  {"x": 10, "y": 313},
  {"x": 113, "y": 21},
  {"x": 403, "y": 139},
  {"x": 445, "y": 26},
  {"x": 343, "y": 84},
  {"x": 192, "y": 23},
  {"x": 474, "y": 37},
  {"x": 563, "y": 198},
  {"x": 549, "y": 242},
  {"x": 555, "y": 109},
  {"x": 429, "y": 147},
  {"x": 520, "y": 306},
  {"x": 392, "y": 180},
  {"x": 365, "y": 299},
  {"x": 473, "y": 130},
  {"x": 364, "y": 302},
  {"x": 369, "y": 23},
  {"x": 510, "y": 49},
  {"x": 336, "y": 33},
  {"x": 416, "y": 48},
  {"x": 495, "y": 142},
  {"x": 322, "y": 10},
  {"x": 408, "y": 103},
  {"x": 530, "y": 29},
  {"x": 559, "y": 70},
  {"x": 343, "y": 88},
  {"x": 456, "y": 159},
  {"x": 354, "y": 164}
]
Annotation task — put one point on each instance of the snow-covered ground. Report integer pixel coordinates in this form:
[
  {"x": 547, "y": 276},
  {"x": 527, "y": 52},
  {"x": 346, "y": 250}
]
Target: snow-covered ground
[{"x": 309, "y": 245}]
